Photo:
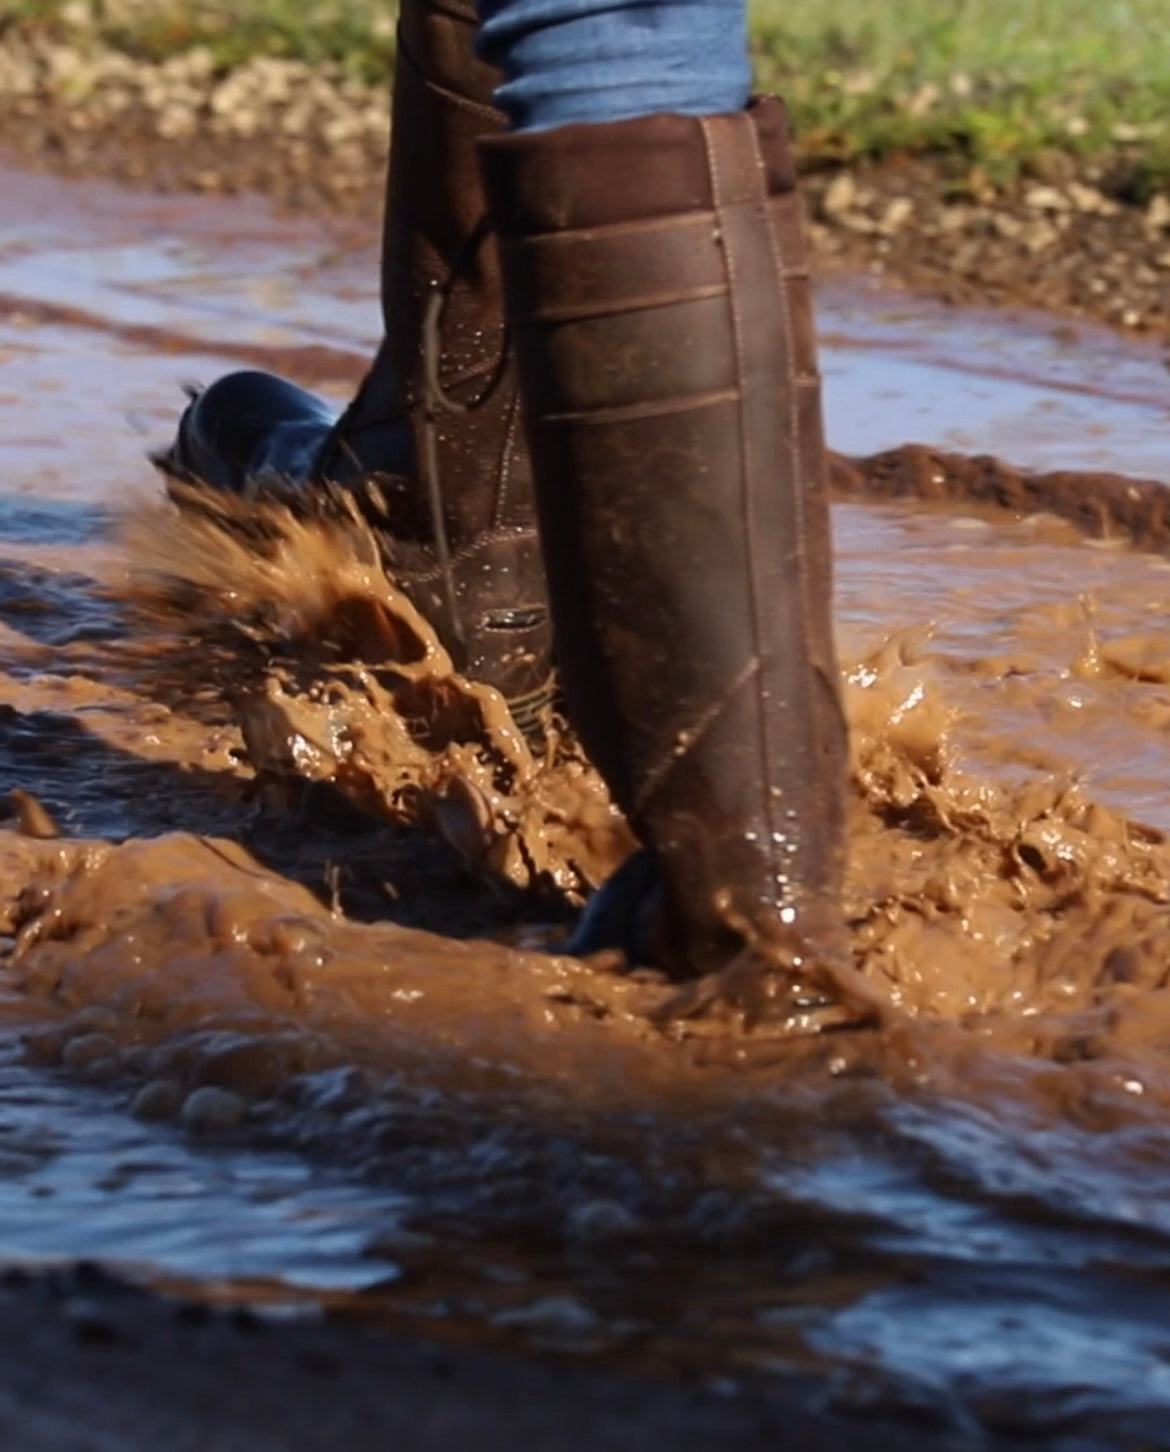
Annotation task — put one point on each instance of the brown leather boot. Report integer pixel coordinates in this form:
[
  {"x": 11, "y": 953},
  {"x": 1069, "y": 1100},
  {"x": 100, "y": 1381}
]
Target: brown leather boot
[
  {"x": 435, "y": 426},
  {"x": 658, "y": 295}
]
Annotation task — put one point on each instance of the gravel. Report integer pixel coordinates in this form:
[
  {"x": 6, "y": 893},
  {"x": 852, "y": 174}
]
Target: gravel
[{"x": 1063, "y": 237}]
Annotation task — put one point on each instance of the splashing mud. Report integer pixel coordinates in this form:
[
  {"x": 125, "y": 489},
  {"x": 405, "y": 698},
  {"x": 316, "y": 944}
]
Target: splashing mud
[
  {"x": 965, "y": 895},
  {"x": 830, "y": 1189},
  {"x": 281, "y": 894}
]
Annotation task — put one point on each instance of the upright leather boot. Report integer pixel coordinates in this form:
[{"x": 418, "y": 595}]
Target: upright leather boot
[
  {"x": 659, "y": 302},
  {"x": 435, "y": 426}
]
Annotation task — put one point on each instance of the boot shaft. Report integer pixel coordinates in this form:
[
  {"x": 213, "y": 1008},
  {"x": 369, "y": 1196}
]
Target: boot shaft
[
  {"x": 434, "y": 195},
  {"x": 437, "y": 420},
  {"x": 435, "y": 239},
  {"x": 432, "y": 446},
  {"x": 659, "y": 299}
]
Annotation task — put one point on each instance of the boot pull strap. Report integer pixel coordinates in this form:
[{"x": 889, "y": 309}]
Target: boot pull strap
[{"x": 436, "y": 400}]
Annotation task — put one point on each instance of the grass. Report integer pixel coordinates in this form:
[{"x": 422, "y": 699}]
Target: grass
[
  {"x": 998, "y": 84},
  {"x": 997, "y": 81}
]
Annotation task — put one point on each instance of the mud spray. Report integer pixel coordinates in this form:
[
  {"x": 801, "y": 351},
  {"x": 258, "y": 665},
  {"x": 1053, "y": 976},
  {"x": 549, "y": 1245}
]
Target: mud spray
[{"x": 351, "y": 951}]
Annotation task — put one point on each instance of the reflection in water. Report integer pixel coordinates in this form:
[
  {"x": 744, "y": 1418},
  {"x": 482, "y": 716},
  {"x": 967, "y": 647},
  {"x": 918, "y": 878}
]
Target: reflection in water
[{"x": 80, "y": 1177}]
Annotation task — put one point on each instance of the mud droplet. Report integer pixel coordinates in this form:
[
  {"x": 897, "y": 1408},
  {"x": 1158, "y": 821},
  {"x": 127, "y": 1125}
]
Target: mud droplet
[
  {"x": 95, "y": 1019},
  {"x": 159, "y": 1099},
  {"x": 32, "y": 818},
  {"x": 88, "y": 1050},
  {"x": 208, "y": 1109},
  {"x": 555, "y": 1318},
  {"x": 596, "y": 1221}
]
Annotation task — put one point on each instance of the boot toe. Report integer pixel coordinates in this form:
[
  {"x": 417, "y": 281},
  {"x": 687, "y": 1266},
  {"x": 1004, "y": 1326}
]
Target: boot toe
[{"x": 245, "y": 427}]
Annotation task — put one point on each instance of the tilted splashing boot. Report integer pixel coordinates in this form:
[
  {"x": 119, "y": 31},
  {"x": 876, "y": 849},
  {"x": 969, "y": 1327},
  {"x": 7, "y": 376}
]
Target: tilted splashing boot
[
  {"x": 452, "y": 478},
  {"x": 658, "y": 295}
]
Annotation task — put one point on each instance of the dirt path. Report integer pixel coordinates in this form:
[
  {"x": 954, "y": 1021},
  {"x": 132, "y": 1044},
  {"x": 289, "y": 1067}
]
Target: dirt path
[{"x": 1068, "y": 237}]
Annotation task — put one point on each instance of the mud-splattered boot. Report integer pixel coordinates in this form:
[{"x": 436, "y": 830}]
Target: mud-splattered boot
[
  {"x": 659, "y": 303},
  {"x": 435, "y": 426}
]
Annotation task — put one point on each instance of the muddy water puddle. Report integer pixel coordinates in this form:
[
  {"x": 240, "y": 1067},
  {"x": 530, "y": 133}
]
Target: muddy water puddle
[
  {"x": 149, "y": 1202},
  {"x": 284, "y": 1044}
]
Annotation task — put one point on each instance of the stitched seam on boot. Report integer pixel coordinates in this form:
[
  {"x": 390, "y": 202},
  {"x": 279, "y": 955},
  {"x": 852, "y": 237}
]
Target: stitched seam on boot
[
  {"x": 464, "y": 14},
  {"x": 769, "y": 776},
  {"x": 662, "y": 408},
  {"x": 796, "y": 451},
  {"x": 504, "y": 465},
  {"x": 646, "y": 302},
  {"x": 465, "y": 103},
  {"x": 673, "y": 224},
  {"x": 467, "y": 552},
  {"x": 687, "y": 739}
]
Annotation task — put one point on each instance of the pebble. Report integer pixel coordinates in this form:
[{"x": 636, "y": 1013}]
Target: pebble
[
  {"x": 1047, "y": 199},
  {"x": 840, "y": 195},
  {"x": 898, "y": 212},
  {"x": 1089, "y": 199},
  {"x": 1157, "y": 218}
]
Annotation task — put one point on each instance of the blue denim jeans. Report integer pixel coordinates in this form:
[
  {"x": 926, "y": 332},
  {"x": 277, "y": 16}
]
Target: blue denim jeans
[{"x": 612, "y": 60}]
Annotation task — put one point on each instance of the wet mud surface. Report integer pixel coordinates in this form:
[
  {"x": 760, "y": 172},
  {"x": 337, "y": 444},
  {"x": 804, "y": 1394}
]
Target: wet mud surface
[{"x": 280, "y": 1019}]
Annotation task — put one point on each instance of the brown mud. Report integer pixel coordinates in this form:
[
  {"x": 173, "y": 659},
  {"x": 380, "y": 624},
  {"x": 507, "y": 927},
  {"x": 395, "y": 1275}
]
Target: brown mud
[{"x": 278, "y": 887}]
